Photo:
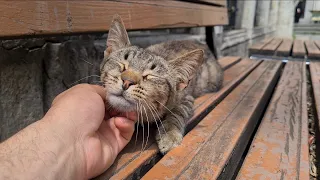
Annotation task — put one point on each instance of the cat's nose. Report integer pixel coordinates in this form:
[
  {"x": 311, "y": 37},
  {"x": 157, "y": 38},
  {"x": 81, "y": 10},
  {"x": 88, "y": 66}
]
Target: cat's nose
[
  {"x": 129, "y": 78},
  {"x": 126, "y": 84}
]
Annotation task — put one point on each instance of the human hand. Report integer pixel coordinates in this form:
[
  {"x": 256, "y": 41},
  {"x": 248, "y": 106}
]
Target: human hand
[
  {"x": 81, "y": 111},
  {"x": 74, "y": 140}
]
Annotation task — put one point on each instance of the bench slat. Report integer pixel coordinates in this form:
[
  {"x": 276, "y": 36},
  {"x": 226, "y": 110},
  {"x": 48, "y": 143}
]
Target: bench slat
[
  {"x": 315, "y": 78},
  {"x": 285, "y": 48},
  {"x": 280, "y": 147},
  {"x": 64, "y": 17},
  {"x": 131, "y": 159},
  {"x": 298, "y": 49},
  {"x": 313, "y": 51},
  {"x": 317, "y": 42},
  {"x": 271, "y": 47},
  {"x": 228, "y": 61},
  {"x": 255, "y": 48},
  {"x": 232, "y": 77},
  {"x": 212, "y": 149}
]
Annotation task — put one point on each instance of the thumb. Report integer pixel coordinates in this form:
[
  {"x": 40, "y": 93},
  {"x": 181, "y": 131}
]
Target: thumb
[{"x": 126, "y": 129}]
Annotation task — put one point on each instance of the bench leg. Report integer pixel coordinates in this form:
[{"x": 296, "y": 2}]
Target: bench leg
[{"x": 174, "y": 123}]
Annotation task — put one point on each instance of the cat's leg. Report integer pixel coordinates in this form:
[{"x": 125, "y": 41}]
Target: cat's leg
[{"x": 172, "y": 131}]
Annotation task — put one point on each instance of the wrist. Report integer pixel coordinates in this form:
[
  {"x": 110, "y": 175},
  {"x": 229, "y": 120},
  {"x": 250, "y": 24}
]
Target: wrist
[
  {"x": 68, "y": 144},
  {"x": 40, "y": 151}
]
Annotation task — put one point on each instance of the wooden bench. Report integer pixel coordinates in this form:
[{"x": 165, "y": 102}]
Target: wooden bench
[
  {"x": 222, "y": 140},
  {"x": 224, "y": 122},
  {"x": 287, "y": 48}
]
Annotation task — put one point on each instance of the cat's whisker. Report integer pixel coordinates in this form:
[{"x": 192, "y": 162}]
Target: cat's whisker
[
  {"x": 155, "y": 119},
  {"x": 142, "y": 126},
  {"x": 87, "y": 62},
  {"x": 166, "y": 108},
  {"x": 148, "y": 129},
  {"x": 177, "y": 117},
  {"x": 82, "y": 79},
  {"x": 137, "y": 126},
  {"x": 157, "y": 113},
  {"x": 97, "y": 82}
]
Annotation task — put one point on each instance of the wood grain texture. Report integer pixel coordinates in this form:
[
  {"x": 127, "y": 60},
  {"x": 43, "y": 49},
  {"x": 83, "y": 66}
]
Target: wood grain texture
[
  {"x": 280, "y": 147},
  {"x": 312, "y": 49},
  {"x": 298, "y": 49},
  {"x": 255, "y": 48},
  {"x": 285, "y": 48},
  {"x": 271, "y": 47},
  {"x": 213, "y": 148},
  {"x": 228, "y": 61},
  {"x": 317, "y": 42},
  {"x": 131, "y": 161},
  {"x": 19, "y": 18},
  {"x": 315, "y": 79}
]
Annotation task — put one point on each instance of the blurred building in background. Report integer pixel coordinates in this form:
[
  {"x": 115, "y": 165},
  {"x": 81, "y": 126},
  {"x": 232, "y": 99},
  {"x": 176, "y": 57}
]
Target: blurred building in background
[
  {"x": 308, "y": 24},
  {"x": 253, "y": 20}
]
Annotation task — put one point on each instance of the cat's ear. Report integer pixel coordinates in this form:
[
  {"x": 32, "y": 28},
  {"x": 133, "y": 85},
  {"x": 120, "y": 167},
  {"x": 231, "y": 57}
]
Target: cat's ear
[
  {"x": 186, "y": 66},
  {"x": 117, "y": 36}
]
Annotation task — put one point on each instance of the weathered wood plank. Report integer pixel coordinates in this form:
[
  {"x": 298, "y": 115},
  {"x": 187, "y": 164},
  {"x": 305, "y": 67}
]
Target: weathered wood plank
[
  {"x": 255, "y": 48},
  {"x": 214, "y": 147},
  {"x": 315, "y": 79},
  {"x": 280, "y": 147},
  {"x": 20, "y": 18},
  {"x": 317, "y": 42},
  {"x": 312, "y": 49},
  {"x": 228, "y": 61},
  {"x": 285, "y": 48},
  {"x": 131, "y": 160},
  {"x": 271, "y": 47},
  {"x": 298, "y": 49},
  {"x": 232, "y": 78}
]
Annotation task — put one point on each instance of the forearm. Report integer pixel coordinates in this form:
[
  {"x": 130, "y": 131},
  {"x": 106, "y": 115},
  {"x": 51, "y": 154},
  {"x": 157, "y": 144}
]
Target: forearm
[{"x": 34, "y": 153}]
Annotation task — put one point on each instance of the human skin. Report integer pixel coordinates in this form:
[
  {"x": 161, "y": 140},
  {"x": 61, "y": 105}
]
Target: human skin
[{"x": 76, "y": 139}]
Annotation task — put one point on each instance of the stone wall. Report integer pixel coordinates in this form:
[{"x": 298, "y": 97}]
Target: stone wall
[{"x": 34, "y": 71}]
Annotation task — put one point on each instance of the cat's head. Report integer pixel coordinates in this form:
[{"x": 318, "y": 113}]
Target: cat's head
[{"x": 133, "y": 76}]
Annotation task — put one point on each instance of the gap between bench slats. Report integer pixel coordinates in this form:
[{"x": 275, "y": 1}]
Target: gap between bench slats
[
  {"x": 312, "y": 50},
  {"x": 255, "y": 48},
  {"x": 131, "y": 159},
  {"x": 228, "y": 61},
  {"x": 280, "y": 147},
  {"x": 285, "y": 48},
  {"x": 271, "y": 47},
  {"x": 214, "y": 147}
]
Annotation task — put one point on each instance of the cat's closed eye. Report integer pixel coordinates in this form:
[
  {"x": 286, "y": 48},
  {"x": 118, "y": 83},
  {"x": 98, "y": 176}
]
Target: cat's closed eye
[
  {"x": 126, "y": 55},
  {"x": 148, "y": 77},
  {"x": 153, "y": 66}
]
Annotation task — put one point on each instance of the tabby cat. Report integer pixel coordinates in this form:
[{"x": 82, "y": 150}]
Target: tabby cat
[{"x": 159, "y": 82}]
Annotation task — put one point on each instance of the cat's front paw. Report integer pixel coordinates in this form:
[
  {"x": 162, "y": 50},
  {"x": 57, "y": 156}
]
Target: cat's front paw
[{"x": 169, "y": 140}]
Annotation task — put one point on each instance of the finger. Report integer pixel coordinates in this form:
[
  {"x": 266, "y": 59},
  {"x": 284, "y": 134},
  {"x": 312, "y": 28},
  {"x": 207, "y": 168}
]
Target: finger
[
  {"x": 126, "y": 129},
  {"x": 130, "y": 115},
  {"x": 100, "y": 90}
]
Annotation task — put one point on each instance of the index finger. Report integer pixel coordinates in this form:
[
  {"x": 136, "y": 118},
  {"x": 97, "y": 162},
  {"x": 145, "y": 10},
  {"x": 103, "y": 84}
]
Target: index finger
[{"x": 101, "y": 91}]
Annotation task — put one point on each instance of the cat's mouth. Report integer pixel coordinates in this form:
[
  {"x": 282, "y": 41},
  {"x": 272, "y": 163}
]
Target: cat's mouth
[{"x": 120, "y": 103}]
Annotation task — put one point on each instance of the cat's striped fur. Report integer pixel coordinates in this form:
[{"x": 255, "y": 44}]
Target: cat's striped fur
[{"x": 159, "y": 81}]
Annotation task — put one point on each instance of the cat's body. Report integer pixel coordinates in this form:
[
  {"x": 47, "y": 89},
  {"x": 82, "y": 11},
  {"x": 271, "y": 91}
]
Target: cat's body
[{"x": 162, "y": 79}]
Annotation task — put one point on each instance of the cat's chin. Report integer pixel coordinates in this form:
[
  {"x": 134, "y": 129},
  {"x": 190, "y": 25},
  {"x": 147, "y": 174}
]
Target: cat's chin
[{"x": 121, "y": 104}]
